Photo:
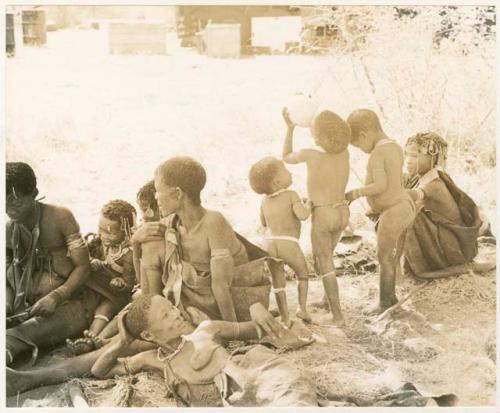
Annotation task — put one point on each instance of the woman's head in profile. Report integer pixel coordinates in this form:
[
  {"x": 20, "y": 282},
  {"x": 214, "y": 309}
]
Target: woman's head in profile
[{"x": 179, "y": 182}]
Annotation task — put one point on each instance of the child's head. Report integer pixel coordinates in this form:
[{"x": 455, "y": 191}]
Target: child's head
[
  {"x": 330, "y": 132},
  {"x": 365, "y": 128},
  {"x": 116, "y": 222},
  {"x": 269, "y": 175},
  {"x": 425, "y": 151},
  {"x": 147, "y": 202}
]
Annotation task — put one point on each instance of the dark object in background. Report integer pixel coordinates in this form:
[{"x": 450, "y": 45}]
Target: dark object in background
[
  {"x": 10, "y": 40},
  {"x": 34, "y": 28}
]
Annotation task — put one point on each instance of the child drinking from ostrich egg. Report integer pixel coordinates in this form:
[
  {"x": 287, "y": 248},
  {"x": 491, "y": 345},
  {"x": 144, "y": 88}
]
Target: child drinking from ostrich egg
[{"x": 327, "y": 175}]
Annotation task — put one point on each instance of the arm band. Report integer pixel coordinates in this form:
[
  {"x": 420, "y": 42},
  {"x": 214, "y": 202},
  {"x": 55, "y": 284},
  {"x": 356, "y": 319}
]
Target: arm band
[
  {"x": 75, "y": 241},
  {"x": 220, "y": 253}
]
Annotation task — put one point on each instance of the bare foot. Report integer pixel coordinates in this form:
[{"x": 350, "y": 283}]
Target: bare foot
[
  {"x": 328, "y": 319},
  {"x": 322, "y": 304},
  {"x": 378, "y": 308},
  {"x": 303, "y": 315},
  {"x": 480, "y": 267},
  {"x": 85, "y": 344}
]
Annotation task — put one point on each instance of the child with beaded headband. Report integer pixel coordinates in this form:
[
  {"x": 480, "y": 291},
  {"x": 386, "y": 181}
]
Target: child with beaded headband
[{"x": 112, "y": 269}]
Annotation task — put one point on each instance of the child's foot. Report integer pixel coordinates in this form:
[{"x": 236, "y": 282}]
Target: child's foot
[
  {"x": 303, "y": 315},
  {"x": 322, "y": 304},
  {"x": 84, "y": 344},
  {"x": 328, "y": 319},
  {"x": 378, "y": 308},
  {"x": 80, "y": 345}
]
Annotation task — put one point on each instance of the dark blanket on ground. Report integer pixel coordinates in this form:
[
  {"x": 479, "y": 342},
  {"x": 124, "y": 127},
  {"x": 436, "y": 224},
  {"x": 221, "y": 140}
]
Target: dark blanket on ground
[{"x": 434, "y": 242}]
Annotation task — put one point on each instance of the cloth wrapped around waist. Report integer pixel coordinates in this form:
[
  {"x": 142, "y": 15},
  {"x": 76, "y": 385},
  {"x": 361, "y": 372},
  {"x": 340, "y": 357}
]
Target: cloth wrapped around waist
[{"x": 251, "y": 284}]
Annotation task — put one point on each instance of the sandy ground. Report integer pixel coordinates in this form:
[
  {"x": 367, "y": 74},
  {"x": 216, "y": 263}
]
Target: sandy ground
[{"x": 94, "y": 126}]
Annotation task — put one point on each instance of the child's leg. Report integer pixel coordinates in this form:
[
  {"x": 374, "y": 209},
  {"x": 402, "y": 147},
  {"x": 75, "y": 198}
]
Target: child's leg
[
  {"x": 292, "y": 254},
  {"x": 391, "y": 226},
  {"x": 103, "y": 315},
  {"x": 327, "y": 226}
]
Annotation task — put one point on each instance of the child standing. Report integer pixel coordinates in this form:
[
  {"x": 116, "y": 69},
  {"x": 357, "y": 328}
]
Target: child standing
[
  {"x": 327, "y": 175},
  {"x": 386, "y": 196},
  {"x": 281, "y": 211},
  {"x": 112, "y": 270}
]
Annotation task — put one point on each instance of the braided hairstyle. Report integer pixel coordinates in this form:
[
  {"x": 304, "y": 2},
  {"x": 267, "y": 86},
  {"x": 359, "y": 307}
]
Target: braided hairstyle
[
  {"x": 262, "y": 173},
  {"x": 432, "y": 144},
  {"x": 20, "y": 179},
  {"x": 332, "y": 133},
  {"x": 122, "y": 212}
]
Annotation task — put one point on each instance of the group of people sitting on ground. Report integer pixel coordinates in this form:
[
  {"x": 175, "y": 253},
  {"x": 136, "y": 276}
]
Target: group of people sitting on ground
[{"x": 147, "y": 297}]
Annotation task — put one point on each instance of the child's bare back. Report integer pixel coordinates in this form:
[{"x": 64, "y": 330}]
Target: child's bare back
[
  {"x": 279, "y": 213},
  {"x": 327, "y": 175}
]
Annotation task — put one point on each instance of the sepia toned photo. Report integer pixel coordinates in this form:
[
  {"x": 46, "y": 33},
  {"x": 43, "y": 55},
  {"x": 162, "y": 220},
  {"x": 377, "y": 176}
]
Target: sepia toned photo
[{"x": 250, "y": 205}]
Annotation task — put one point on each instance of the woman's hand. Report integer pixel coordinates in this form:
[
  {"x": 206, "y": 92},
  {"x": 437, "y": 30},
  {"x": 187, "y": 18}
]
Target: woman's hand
[
  {"x": 149, "y": 231},
  {"x": 45, "y": 306},
  {"x": 123, "y": 334},
  {"x": 266, "y": 321}
]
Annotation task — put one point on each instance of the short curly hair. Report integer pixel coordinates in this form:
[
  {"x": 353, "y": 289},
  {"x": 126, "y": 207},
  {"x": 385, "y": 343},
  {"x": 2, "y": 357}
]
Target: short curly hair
[
  {"x": 136, "y": 320},
  {"x": 262, "y": 173},
  {"x": 147, "y": 193},
  {"x": 363, "y": 120},
  {"x": 20, "y": 178},
  {"x": 186, "y": 173},
  {"x": 117, "y": 209},
  {"x": 332, "y": 133}
]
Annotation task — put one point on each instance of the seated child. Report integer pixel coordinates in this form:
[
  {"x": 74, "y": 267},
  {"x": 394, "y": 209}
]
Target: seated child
[
  {"x": 281, "y": 211},
  {"x": 327, "y": 175},
  {"x": 386, "y": 196},
  {"x": 150, "y": 213},
  {"x": 112, "y": 270}
]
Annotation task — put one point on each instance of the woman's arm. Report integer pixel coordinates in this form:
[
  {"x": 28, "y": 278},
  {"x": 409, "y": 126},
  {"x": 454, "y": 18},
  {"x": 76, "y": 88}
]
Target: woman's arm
[
  {"x": 152, "y": 267},
  {"x": 79, "y": 255},
  {"x": 220, "y": 239}
]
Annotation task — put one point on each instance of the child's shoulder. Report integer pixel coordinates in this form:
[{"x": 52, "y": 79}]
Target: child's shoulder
[{"x": 281, "y": 196}]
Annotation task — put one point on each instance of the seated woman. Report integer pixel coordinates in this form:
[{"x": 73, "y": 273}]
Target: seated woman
[
  {"x": 443, "y": 239},
  {"x": 198, "y": 370},
  {"x": 200, "y": 261}
]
